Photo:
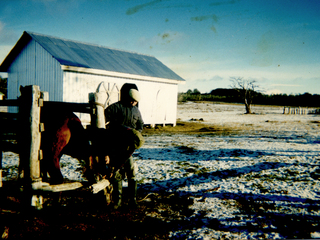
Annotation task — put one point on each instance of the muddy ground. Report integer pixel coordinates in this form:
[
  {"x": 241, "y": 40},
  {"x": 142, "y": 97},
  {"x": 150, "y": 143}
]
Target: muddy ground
[{"x": 79, "y": 215}]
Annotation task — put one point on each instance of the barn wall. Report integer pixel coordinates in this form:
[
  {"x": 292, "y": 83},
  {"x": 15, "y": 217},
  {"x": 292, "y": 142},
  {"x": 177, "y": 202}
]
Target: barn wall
[
  {"x": 35, "y": 66},
  {"x": 49, "y": 75},
  {"x": 158, "y": 103},
  {"x": 21, "y": 71}
]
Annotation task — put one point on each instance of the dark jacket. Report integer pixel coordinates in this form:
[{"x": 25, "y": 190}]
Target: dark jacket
[{"x": 120, "y": 114}]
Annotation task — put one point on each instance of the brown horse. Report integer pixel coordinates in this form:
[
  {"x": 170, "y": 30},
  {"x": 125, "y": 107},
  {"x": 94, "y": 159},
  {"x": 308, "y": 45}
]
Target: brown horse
[{"x": 64, "y": 134}]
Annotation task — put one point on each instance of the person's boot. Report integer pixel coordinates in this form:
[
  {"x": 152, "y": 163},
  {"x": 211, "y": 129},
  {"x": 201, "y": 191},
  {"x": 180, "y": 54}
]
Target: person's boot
[
  {"x": 132, "y": 188},
  {"x": 117, "y": 194}
]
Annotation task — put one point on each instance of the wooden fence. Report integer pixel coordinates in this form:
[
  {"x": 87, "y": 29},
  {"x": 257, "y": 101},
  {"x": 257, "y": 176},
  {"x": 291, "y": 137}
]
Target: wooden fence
[
  {"x": 300, "y": 110},
  {"x": 290, "y": 110},
  {"x": 315, "y": 111},
  {"x": 27, "y": 123}
]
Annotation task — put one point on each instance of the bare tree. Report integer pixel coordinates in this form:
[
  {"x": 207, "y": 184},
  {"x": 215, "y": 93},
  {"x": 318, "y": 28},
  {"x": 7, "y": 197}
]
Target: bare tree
[{"x": 246, "y": 88}]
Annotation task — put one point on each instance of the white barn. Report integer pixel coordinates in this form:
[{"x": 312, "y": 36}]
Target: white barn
[{"x": 70, "y": 70}]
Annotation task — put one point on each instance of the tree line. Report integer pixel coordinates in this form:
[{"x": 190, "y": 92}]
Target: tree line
[{"x": 232, "y": 95}]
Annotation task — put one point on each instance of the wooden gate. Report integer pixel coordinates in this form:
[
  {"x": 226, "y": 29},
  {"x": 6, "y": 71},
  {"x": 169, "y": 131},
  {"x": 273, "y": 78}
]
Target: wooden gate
[{"x": 30, "y": 127}]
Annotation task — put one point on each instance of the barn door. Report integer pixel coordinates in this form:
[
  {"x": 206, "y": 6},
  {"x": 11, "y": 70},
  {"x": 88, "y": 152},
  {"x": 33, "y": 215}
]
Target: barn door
[
  {"x": 161, "y": 105},
  {"x": 112, "y": 90}
]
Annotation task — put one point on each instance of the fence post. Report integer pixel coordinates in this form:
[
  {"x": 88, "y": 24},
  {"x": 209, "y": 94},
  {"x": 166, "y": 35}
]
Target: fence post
[
  {"x": 97, "y": 118},
  {"x": 98, "y": 121},
  {"x": 30, "y": 138},
  {"x": 44, "y": 96}
]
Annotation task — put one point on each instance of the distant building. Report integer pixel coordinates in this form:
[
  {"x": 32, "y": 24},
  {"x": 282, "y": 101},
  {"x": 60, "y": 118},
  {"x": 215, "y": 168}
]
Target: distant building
[{"x": 70, "y": 70}]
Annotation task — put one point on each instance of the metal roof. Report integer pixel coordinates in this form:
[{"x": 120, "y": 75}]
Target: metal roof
[{"x": 77, "y": 54}]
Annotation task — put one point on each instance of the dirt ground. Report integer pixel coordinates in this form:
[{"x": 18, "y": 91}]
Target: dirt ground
[{"x": 80, "y": 214}]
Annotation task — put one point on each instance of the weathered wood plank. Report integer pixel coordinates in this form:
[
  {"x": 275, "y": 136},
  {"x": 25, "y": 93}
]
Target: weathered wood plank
[
  {"x": 9, "y": 128},
  {"x": 8, "y": 124},
  {"x": 74, "y": 107},
  {"x": 41, "y": 186},
  {"x": 9, "y": 116},
  {"x": 8, "y": 136},
  {"x": 1, "y": 173},
  {"x": 99, "y": 186},
  {"x": 9, "y": 102},
  {"x": 7, "y": 146},
  {"x": 35, "y": 133}
]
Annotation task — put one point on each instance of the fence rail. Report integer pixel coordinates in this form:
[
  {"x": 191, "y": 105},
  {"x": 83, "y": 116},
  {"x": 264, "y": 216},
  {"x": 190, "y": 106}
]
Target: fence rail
[
  {"x": 69, "y": 106},
  {"x": 9, "y": 102},
  {"x": 27, "y": 123}
]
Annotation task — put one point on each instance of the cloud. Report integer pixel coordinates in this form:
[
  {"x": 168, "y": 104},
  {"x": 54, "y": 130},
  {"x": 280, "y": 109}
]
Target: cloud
[
  {"x": 45, "y": 1},
  {"x": 273, "y": 91},
  {"x": 6, "y": 35},
  {"x": 216, "y": 78},
  {"x": 4, "y": 51},
  {"x": 264, "y": 52},
  {"x": 7, "y": 40},
  {"x": 213, "y": 79},
  {"x": 140, "y": 7},
  {"x": 203, "y": 18},
  {"x": 166, "y": 39},
  {"x": 224, "y": 3},
  {"x": 60, "y": 7},
  {"x": 285, "y": 85},
  {"x": 154, "y": 5},
  {"x": 213, "y": 17}
]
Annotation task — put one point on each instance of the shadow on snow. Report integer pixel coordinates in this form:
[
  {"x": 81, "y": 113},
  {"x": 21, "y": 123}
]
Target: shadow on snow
[
  {"x": 260, "y": 213},
  {"x": 184, "y": 153}
]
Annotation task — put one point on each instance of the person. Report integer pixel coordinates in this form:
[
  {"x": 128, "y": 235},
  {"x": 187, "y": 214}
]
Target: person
[{"x": 125, "y": 114}]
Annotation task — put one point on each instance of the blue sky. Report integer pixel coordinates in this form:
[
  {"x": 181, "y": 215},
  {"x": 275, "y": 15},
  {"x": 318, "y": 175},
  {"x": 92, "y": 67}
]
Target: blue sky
[{"x": 275, "y": 42}]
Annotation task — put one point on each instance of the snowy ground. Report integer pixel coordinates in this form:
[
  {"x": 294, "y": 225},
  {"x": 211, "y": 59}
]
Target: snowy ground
[{"x": 262, "y": 181}]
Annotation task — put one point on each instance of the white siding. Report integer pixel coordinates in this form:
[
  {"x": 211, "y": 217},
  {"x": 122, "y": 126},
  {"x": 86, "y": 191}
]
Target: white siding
[
  {"x": 35, "y": 66},
  {"x": 158, "y": 103},
  {"x": 21, "y": 71},
  {"x": 49, "y": 75}
]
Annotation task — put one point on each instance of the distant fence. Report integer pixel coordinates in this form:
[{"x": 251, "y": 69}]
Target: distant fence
[
  {"x": 300, "y": 110},
  {"x": 315, "y": 111}
]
